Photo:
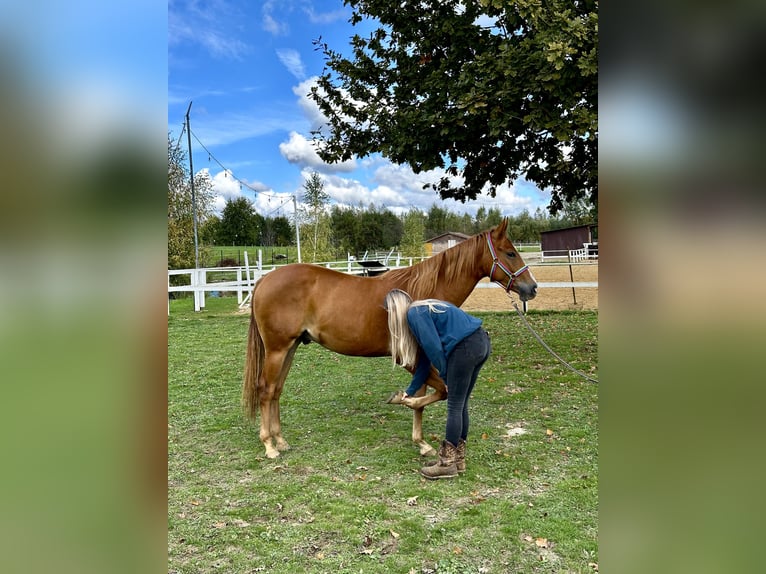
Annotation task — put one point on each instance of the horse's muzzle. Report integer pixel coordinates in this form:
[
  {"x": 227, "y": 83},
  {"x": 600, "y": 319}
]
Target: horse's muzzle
[{"x": 527, "y": 292}]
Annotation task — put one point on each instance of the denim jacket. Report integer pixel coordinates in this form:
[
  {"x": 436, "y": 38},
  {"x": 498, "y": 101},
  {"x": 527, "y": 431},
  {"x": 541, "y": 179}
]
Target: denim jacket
[{"x": 437, "y": 333}]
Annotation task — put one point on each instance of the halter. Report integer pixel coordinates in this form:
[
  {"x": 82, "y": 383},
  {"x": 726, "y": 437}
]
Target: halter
[{"x": 497, "y": 263}]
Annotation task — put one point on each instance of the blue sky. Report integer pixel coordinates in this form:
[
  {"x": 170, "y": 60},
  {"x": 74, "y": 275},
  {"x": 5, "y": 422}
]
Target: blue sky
[{"x": 247, "y": 67}]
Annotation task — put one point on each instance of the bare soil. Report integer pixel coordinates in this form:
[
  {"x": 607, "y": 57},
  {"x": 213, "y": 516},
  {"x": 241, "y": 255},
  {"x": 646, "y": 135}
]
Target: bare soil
[{"x": 548, "y": 298}]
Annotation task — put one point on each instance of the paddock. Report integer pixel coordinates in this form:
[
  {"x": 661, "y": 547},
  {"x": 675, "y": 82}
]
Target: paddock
[{"x": 348, "y": 497}]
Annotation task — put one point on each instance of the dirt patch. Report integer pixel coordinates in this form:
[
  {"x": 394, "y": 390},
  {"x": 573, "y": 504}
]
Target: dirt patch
[{"x": 548, "y": 298}]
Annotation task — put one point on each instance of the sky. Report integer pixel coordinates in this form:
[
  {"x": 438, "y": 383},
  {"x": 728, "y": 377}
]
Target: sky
[{"x": 247, "y": 67}]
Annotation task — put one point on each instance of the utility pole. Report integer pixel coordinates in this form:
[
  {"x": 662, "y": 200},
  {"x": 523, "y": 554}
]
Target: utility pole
[
  {"x": 194, "y": 196},
  {"x": 297, "y": 228}
]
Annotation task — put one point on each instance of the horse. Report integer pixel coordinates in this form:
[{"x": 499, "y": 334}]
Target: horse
[{"x": 304, "y": 303}]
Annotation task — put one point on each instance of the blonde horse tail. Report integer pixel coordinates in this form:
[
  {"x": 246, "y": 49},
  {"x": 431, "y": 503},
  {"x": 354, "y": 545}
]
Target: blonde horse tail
[{"x": 253, "y": 369}]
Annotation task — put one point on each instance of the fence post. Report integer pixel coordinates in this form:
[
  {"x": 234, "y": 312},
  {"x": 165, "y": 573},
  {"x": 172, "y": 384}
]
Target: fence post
[
  {"x": 194, "y": 276},
  {"x": 202, "y": 282},
  {"x": 239, "y": 279},
  {"x": 571, "y": 277},
  {"x": 239, "y": 284}
]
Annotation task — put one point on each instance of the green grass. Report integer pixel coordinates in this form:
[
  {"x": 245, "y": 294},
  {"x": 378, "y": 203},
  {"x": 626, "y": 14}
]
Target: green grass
[{"x": 348, "y": 496}]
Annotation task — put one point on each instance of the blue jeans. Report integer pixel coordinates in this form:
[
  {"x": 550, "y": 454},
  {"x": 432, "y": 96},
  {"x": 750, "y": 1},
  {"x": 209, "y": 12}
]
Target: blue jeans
[{"x": 463, "y": 366}]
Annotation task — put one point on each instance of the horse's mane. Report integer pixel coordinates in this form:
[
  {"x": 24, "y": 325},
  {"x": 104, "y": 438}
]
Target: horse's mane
[{"x": 421, "y": 280}]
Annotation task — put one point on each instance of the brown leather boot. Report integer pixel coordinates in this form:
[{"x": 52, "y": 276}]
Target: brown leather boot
[
  {"x": 446, "y": 467},
  {"x": 459, "y": 460}
]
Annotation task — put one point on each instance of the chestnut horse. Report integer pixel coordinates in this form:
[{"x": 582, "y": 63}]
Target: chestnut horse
[{"x": 301, "y": 303}]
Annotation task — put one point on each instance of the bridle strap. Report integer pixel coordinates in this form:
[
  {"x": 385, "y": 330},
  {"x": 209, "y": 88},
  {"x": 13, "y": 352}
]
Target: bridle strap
[{"x": 497, "y": 263}]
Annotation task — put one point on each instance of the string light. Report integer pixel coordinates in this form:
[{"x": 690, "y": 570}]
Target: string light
[{"x": 228, "y": 173}]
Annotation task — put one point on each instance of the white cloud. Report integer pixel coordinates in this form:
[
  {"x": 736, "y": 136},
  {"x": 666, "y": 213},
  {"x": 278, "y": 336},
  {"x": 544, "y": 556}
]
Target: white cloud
[
  {"x": 300, "y": 151},
  {"x": 350, "y": 192},
  {"x": 402, "y": 176},
  {"x": 325, "y": 17},
  {"x": 226, "y": 188},
  {"x": 270, "y": 23},
  {"x": 308, "y": 106},
  {"x": 291, "y": 60},
  {"x": 409, "y": 186}
]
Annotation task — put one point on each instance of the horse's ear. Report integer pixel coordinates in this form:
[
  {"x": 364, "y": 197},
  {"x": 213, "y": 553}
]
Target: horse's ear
[{"x": 501, "y": 228}]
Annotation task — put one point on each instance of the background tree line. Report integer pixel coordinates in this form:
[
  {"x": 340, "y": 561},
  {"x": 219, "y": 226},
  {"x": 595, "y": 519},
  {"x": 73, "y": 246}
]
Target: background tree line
[{"x": 332, "y": 232}]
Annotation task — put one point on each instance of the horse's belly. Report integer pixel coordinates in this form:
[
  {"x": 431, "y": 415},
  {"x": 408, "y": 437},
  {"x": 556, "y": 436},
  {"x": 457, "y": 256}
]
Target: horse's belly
[{"x": 355, "y": 347}]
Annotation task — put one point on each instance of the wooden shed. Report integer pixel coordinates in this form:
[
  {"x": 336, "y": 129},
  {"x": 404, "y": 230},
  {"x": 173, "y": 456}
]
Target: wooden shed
[
  {"x": 558, "y": 242},
  {"x": 444, "y": 241}
]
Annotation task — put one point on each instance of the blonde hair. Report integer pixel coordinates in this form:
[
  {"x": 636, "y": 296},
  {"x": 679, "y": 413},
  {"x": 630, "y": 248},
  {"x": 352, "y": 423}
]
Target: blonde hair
[{"x": 404, "y": 346}]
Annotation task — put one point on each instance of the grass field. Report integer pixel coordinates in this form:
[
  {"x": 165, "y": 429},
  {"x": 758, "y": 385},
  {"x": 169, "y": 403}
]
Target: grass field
[{"x": 348, "y": 496}]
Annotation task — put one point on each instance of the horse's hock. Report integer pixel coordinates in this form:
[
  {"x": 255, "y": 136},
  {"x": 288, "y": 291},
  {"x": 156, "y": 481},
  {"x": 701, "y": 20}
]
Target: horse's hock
[{"x": 548, "y": 298}]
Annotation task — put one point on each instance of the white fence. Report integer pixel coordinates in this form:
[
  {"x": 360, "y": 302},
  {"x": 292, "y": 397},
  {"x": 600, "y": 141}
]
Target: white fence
[
  {"x": 588, "y": 252},
  {"x": 241, "y": 280}
]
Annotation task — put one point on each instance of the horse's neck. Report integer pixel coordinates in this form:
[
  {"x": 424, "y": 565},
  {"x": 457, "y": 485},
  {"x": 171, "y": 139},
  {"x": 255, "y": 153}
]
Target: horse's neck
[
  {"x": 457, "y": 293},
  {"x": 457, "y": 289}
]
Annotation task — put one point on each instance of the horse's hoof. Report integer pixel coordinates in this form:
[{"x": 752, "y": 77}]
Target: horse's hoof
[
  {"x": 427, "y": 450},
  {"x": 272, "y": 453},
  {"x": 282, "y": 445},
  {"x": 396, "y": 398}
]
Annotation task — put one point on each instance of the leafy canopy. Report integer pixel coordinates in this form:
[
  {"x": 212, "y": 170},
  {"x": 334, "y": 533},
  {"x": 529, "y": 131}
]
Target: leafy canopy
[{"x": 487, "y": 90}]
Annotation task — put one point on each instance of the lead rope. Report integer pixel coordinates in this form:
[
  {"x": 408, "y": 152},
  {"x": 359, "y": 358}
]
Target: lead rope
[{"x": 544, "y": 344}]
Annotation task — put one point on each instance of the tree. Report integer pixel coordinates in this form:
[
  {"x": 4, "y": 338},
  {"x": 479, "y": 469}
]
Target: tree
[
  {"x": 488, "y": 90},
  {"x": 486, "y": 219},
  {"x": 436, "y": 221},
  {"x": 345, "y": 229},
  {"x": 210, "y": 231},
  {"x": 238, "y": 224},
  {"x": 392, "y": 229},
  {"x": 577, "y": 212},
  {"x": 315, "y": 197},
  {"x": 413, "y": 237},
  {"x": 277, "y": 231},
  {"x": 180, "y": 208}
]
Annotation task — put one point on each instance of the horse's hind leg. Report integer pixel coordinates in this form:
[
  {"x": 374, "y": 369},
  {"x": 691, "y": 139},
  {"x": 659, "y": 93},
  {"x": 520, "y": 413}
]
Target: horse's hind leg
[
  {"x": 277, "y": 365},
  {"x": 269, "y": 388},
  {"x": 276, "y": 421},
  {"x": 264, "y": 393}
]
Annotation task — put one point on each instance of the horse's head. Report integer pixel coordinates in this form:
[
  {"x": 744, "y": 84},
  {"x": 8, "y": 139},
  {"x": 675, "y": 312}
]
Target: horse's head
[{"x": 508, "y": 268}]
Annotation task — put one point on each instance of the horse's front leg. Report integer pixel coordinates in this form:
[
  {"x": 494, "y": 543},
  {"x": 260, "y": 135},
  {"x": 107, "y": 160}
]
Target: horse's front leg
[{"x": 421, "y": 399}]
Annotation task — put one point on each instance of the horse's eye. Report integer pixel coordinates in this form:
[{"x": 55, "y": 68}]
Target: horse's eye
[{"x": 511, "y": 254}]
